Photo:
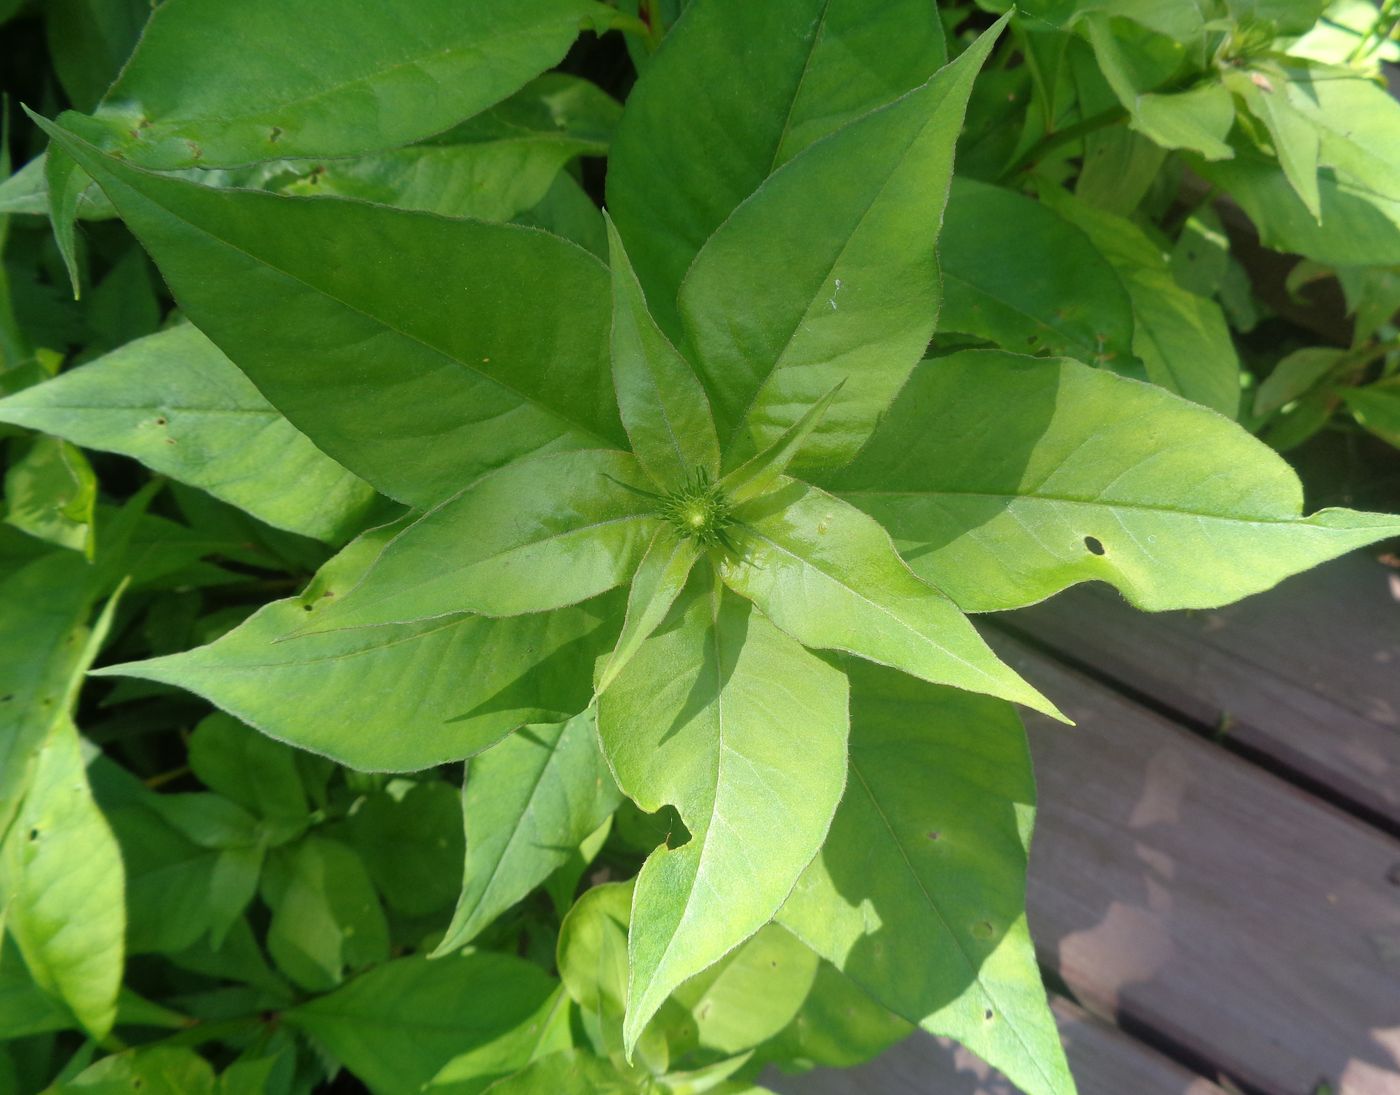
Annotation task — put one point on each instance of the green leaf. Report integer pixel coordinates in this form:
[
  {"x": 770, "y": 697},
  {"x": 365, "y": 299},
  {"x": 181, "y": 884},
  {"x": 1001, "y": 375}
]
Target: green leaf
[
  {"x": 66, "y": 182},
  {"x": 1377, "y": 407},
  {"x": 1297, "y": 142},
  {"x": 746, "y": 998},
  {"x": 326, "y": 916},
  {"x": 63, "y": 885},
  {"x": 828, "y": 575},
  {"x": 1295, "y": 376},
  {"x": 838, "y": 1026},
  {"x": 529, "y": 802},
  {"x": 1057, "y": 293},
  {"x": 493, "y": 167},
  {"x": 273, "y": 279},
  {"x": 663, "y": 406},
  {"x": 90, "y": 40},
  {"x": 704, "y": 718},
  {"x": 51, "y": 492},
  {"x": 1198, "y": 119},
  {"x": 748, "y": 111},
  {"x": 177, "y": 404},
  {"x": 472, "y": 679},
  {"x": 1192, "y": 512},
  {"x": 659, "y": 579},
  {"x": 25, "y": 1008},
  {"x": 396, "y": 1026},
  {"x": 411, "y": 844},
  {"x": 43, "y": 609},
  {"x": 1358, "y": 227},
  {"x": 918, "y": 894},
  {"x": 537, "y": 535},
  {"x": 1181, "y": 338},
  {"x": 248, "y": 768},
  {"x": 573, "y": 1072},
  {"x": 380, "y": 78},
  {"x": 154, "y": 1070},
  {"x": 828, "y": 273}
]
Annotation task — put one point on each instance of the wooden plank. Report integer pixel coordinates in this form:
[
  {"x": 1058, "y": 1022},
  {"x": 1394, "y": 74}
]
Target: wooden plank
[
  {"x": 1183, "y": 890},
  {"x": 1105, "y": 1062},
  {"x": 1307, "y": 674}
]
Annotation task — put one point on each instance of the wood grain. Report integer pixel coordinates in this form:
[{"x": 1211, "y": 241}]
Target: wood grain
[
  {"x": 1180, "y": 889},
  {"x": 1307, "y": 674},
  {"x": 1105, "y": 1061}
]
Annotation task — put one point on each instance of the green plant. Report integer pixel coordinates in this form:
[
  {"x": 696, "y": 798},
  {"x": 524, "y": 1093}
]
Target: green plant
[{"x": 667, "y": 528}]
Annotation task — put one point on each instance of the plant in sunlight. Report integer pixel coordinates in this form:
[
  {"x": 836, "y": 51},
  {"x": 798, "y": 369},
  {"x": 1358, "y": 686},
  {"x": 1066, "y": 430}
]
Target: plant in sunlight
[{"x": 659, "y": 525}]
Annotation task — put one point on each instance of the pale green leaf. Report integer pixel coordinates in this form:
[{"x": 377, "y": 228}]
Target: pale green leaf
[
  {"x": 1198, "y": 119},
  {"x": 827, "y": 273},
  {"x": 838, "y": 1026},
  {"x": 918, "y": 894},
  {"x": 747, "y": 112},
  {"x": 326, "y": 917},
  {"x": 154, "y": 1070},
  {"x": 663, "y": 406},
  {"x": 763, "y": 471},
  {"x": 1296, "y": 140},
  {"x": 63, "y": 885},
  {"x": 273, "y": 280},
  {"x": 1017, "y": 273},
  {"x": 51, "y": 492},
  {"x": 472, "y": 680},
  {"x": 660, "y": 577},
  {"x": 711, "y": 716},
  {"x": 379, "y": 77},
  {"x": 573, "y": 1072},
  {"x": 536, "y": 535},
  {"x": 173, "y": 401},
  {"x": 529, "y": 802},
  {"x": 398, "y": 1025},
  {"x": 1096, "y": 477},
  {"x": 1180, "y": 337},
  {"x": 828, "y": 575}
]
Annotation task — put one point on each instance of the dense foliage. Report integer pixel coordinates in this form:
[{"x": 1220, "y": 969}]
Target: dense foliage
[{"x": 532, "y": 642}]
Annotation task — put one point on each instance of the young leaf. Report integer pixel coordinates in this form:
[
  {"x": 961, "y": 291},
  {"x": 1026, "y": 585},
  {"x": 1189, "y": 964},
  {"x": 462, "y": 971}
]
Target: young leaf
[
  {"x": 472, "y": 679},
  {"x": 1191, "y": 513},
  {"x": 1296, "y": 141},
  {"x": 380, "y": 77},
  {"x": 398, "y": 1025},
  {"x": 828, "y": 272},
  {"x": 528, "y": 803},
  {"x": 1377, "y": 407},
  {"x": 712, "y": 715},
  {"x": 918, "y": 894},
  {"x": 173, "y": 401},
  {"x": 659, "y": 579},
  {"x": 66, "y": 182},
  {"x": 1057, "y": 293},
  {"x": 536, "y": 535},
  {"x": 153, "y": 1070},
  {"x": 663, "y": 406},
  {"x": 1181, "y": 338},
  {"x": 748, "y": 111},
  {"x": 275, "y": 280},
  {"x": 828, "y": 575},
  {"x": 761, "y": 473}
]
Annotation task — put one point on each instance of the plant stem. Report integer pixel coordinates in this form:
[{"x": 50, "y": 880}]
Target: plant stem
[{"x": 1052, "y": 141}]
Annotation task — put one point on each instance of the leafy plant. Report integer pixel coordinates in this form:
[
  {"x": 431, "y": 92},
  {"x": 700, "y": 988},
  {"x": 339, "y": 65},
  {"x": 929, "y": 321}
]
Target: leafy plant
[{"x": 662, "y": 522}]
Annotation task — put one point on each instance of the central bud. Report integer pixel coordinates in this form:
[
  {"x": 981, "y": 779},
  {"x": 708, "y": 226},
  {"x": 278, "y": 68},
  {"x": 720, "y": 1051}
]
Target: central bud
[{"x": 699, "y": 510}]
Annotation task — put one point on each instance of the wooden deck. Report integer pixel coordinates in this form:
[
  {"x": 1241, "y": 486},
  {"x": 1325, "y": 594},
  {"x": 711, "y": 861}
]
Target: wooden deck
[{"x": 1216, "y": 871}]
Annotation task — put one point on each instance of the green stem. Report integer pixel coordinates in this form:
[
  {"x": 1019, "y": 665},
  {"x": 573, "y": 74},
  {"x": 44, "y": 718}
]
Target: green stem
[{"x": 1052, "y": 141}]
